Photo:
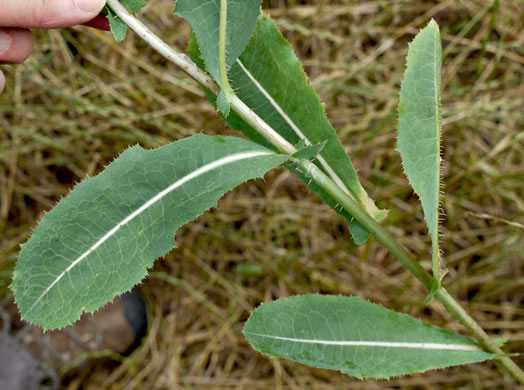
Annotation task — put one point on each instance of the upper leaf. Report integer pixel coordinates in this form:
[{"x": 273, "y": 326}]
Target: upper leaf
[
  {"x": 269, "y": 78},
  {"x": 355, "y": 337},
  {"x": 204, "y": 17},
  {"x": 100, "y": 240},
  {"x": 420, "y": 126}
]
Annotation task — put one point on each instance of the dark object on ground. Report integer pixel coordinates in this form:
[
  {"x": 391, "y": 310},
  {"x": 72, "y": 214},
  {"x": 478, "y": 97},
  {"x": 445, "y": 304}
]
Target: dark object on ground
[
  {"x": 115, "y": 330},
  {"x": 135, "y": 312}
]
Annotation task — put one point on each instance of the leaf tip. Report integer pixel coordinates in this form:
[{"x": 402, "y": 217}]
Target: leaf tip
[
  {"x": 433, "y": 24},
  {"x": 223, "y": 105}
]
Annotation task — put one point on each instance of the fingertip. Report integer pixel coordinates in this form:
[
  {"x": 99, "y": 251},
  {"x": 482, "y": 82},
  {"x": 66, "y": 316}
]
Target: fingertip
[
  {"x": 20, "y": 45},
  {"x": 90, "y": 6},
  {"x": 88, "y": 12},
  {"x": 24, "y": 44},
  {"x": 49, "y": 13}
]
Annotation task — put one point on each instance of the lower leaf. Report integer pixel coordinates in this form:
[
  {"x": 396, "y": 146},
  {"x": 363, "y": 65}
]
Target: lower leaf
[
  {"x": 101, "y": 239},
  {"x": 355, "y": 337}
]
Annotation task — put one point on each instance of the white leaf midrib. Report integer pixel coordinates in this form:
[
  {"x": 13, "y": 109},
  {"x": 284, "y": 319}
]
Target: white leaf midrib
[
  {"x": 294, "y": 127},
  {"x": 382, "y": 344},
  {"x": 198, "y": 172}
]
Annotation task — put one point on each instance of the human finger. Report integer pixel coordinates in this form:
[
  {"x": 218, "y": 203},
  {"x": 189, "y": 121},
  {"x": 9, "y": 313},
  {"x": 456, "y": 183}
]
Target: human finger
[
  {"x": 16, "y": 45},
  {"x": 48, "y": 13}
]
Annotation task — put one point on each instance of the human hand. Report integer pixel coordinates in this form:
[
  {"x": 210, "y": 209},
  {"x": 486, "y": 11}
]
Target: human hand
[{"x": 16, "y": 17}]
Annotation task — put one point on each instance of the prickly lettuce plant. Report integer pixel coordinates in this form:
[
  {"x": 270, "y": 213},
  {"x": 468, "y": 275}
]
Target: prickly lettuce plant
[{"x": 101, "y": 239}]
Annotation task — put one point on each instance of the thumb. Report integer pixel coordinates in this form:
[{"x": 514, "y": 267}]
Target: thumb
[{"x": 48, "y": 13}]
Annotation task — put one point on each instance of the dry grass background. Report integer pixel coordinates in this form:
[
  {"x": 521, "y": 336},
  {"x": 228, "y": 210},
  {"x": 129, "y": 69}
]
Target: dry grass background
[{"x": 81, "y": 99}]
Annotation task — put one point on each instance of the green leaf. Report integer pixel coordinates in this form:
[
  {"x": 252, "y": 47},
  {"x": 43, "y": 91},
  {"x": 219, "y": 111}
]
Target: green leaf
[
  {"x": 499, "y": 342},
  {"x": 223, "y": 105},
  {"x": 101, "y": 239},
  {"x": 435, "y": 285},
  {"x": 308, "y": 152},
  {"x": 204, "y": 18},
  {"x": 269, "y": 78},
  {"x": 133, "y": 6},
  {"x": 117, "y": 26},
  {"x": 358, "y": 232},
  {"x": 355, "y": 337},
  {"x": 420, "y": 127}
]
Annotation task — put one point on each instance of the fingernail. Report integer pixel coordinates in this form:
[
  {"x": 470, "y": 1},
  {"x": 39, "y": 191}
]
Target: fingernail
[
  {"x": 87, "y": 5},
  {"x": 5, "y": 41}
]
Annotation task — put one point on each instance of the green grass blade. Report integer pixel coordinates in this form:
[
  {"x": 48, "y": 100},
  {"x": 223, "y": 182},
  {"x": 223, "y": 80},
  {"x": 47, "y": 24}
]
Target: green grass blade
[
  {"x": 355, "y": 337},
  {"x": 100, "y": 240},
  {"x": 420, "y": 127}
]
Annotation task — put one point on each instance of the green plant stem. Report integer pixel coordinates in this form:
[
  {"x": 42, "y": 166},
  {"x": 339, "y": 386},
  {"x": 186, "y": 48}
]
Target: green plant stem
[
  {"x": 372, "y": 226},
  {"x": 323, "y": 181},
  {"x": 224, "y": 81}
]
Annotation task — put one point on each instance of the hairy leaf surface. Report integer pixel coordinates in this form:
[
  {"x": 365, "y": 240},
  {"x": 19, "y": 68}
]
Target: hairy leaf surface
[
  {"x": 355, "y": 337},
  {"x": 204, "y": 18},
  {"x": 100, "y": 240},
  {"x": 420, "y": 126},
  {"x": 269, "y": 78}
]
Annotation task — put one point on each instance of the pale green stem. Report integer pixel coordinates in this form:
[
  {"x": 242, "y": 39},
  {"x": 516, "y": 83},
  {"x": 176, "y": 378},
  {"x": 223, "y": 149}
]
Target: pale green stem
[
  {"x": 224, "y": 81},
  {"x": 324, "y": 182}
]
